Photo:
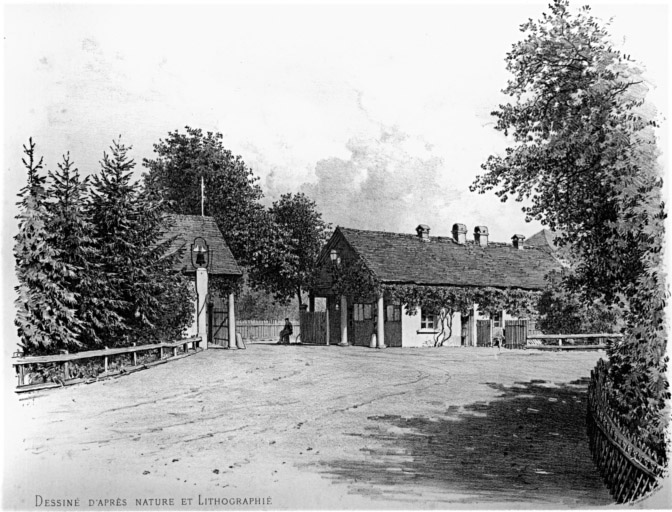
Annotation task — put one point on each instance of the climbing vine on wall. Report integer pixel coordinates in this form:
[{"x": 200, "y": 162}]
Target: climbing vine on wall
[{"x": 353, "y": 278}]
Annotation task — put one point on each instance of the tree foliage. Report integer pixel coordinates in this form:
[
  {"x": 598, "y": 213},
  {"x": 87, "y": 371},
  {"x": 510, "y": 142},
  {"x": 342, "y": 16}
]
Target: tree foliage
[
  {"x": 71, "y": 233},
  {"x": 296, "y": 234},
  {"x": 92, "y": 260},
  {"x": 562, "y": 311},
  {"x": 233, "y": 194},
  {"x": 584, "y": 154},
  {"x": 45, "y": 306},
  {"x": 144, "y": 292}
]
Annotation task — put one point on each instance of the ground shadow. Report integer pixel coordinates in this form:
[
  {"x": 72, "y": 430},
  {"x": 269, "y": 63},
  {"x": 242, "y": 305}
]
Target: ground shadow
[{"x": 528, "y": 445}]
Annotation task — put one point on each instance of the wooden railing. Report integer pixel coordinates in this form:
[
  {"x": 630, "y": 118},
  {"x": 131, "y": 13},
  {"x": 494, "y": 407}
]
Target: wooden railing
[
  {"x": 59, "y": 367},
  {"x": 629, "y": 468},
  {"x": 569, "y": 341}
]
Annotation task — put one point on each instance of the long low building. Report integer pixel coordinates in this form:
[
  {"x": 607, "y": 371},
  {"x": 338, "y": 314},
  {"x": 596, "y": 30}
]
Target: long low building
[{"x": 408, "y": 259}]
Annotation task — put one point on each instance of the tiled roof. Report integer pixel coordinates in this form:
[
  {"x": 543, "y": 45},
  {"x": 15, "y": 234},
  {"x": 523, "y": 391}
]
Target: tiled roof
[
  {"x": 187, "y": 228},
  {"x": 544, "y": 238},
  {"x": 405, "y": 258}
]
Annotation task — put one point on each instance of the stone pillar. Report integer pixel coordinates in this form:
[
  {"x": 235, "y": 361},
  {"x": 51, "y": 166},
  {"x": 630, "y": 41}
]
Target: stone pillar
[
  {"x": 232, "y": 322},
  {"x": 201, "y": 309},
  {"x": 380, "y": 324},
  {"x": 344, "y": 321},
  {"x": 474, "y": 326}
]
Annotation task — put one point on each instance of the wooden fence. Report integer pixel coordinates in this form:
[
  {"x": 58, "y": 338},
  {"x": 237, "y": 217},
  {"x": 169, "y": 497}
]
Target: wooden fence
[
  {"x": 67, "y": 369},
  {"x": 570, "y": 341},
  {"x": 629, "y": 468},
  {"x": 264, "y": 330},
  {"x": 515, "y": 333}
]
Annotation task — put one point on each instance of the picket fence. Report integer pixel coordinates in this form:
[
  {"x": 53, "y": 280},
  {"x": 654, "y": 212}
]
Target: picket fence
[
  {"x": 629, "y": 468},
  {"x": 264, "y": 330}
]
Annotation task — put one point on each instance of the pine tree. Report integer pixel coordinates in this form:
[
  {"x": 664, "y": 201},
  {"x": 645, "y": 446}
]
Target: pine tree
[
  {"x": 114, "y": 219},
  {"x": 45, "y": 305},
  {"x": 72, "y": 235},
  {"x": 152, "y": 301}
]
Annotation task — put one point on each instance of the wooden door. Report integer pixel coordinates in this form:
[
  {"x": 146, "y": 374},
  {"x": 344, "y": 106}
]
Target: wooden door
[
  {"x": 219, "y": 334},
  {"x": 393, "y": 325},
  {"x": 483, "y": 333}
]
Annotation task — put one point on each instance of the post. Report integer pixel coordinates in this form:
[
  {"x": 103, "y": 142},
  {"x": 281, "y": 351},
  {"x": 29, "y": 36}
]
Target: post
[
  {"x": 66, "y": 369},
  {"x": 380, "y": 324},
  {"x": 474, "y": 325},
  {"x": 135, "y": 357},
  {"x": 22, "y": 374},
  {"x": 201, "y": 311},
  {"x": 105, "y": 362},
  {"x": 328, "y": 327},
  {"x": 232, "y": 322},
  {"x": 311, "y": 303},
  {"x": 344, "y": 321}
]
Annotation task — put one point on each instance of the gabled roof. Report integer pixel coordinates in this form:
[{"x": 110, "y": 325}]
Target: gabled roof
[
  {"x": 405, "y": 258},
  {"x": 543, "y": 239},
  {"x": 187, "y": 228}
]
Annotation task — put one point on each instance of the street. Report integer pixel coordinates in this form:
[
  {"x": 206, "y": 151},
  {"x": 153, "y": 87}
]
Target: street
[{"x": 287, "y": 427}]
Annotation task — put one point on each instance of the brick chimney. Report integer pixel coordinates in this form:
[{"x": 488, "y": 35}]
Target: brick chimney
[
  {"x": 460, "y": 233},
  {"x": 423, "y": 231},
  {"x": 518, "y": 241},
  {"x": 481, "y": 235}
]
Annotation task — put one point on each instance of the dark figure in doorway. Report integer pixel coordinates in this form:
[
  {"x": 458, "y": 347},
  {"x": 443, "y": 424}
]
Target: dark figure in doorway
[{"x": 286, "y": 333}]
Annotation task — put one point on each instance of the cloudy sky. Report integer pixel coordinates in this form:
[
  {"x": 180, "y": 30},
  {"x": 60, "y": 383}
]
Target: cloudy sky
[{"x": 380, "y": 111}]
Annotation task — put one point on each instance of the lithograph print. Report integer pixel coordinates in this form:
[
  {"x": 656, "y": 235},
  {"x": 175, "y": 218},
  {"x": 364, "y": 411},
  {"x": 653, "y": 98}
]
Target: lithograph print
[{"x": 277, "y": 256}]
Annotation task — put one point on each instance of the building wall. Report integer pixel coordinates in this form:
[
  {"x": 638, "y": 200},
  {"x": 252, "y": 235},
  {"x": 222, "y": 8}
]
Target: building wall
[{"x": 413, "y": 336}]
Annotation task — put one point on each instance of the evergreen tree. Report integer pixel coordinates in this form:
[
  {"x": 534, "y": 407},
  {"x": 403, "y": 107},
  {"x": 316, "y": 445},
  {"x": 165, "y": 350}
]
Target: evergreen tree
[
  {"x": 71, "y": 234},
  {"x": 150, "y": 299},
  {"x": 114, "y": 219},
  {"x": 46, "y": 303}
]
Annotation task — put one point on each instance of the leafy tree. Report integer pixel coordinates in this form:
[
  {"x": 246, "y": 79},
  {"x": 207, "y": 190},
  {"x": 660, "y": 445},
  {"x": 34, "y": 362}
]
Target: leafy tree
[
  {"x": 45, "y": 305},
  {"x": 563, "y": 312},
  {"x": 183, "y": 160},
  {"x": 255, "y": 304},
  {"x": 584, "y": 153},
  {"x": 295, "y": 234}
]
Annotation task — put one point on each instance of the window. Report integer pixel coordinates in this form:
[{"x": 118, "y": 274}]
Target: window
[
  {"x": 393, "y": 313},
  {"x": 497, "y": 319},
  {"x": 427, "y": 321},
  {"x": 363, "y": 312}
]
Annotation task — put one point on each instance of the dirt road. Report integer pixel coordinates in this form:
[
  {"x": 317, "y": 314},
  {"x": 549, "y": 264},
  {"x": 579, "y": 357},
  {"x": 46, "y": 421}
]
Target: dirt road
[{"x": 314, "y": 427}]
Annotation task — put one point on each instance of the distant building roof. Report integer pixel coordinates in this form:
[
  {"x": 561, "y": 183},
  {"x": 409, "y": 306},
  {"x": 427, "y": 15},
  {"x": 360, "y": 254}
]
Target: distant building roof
[
  {"x": 543, "y": 239},
  {"x": 406, "y": 258},
  {"x": 187, "y": 228}
]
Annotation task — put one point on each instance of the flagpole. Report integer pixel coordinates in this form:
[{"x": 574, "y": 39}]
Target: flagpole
[{"x": 202, "y": 197}]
